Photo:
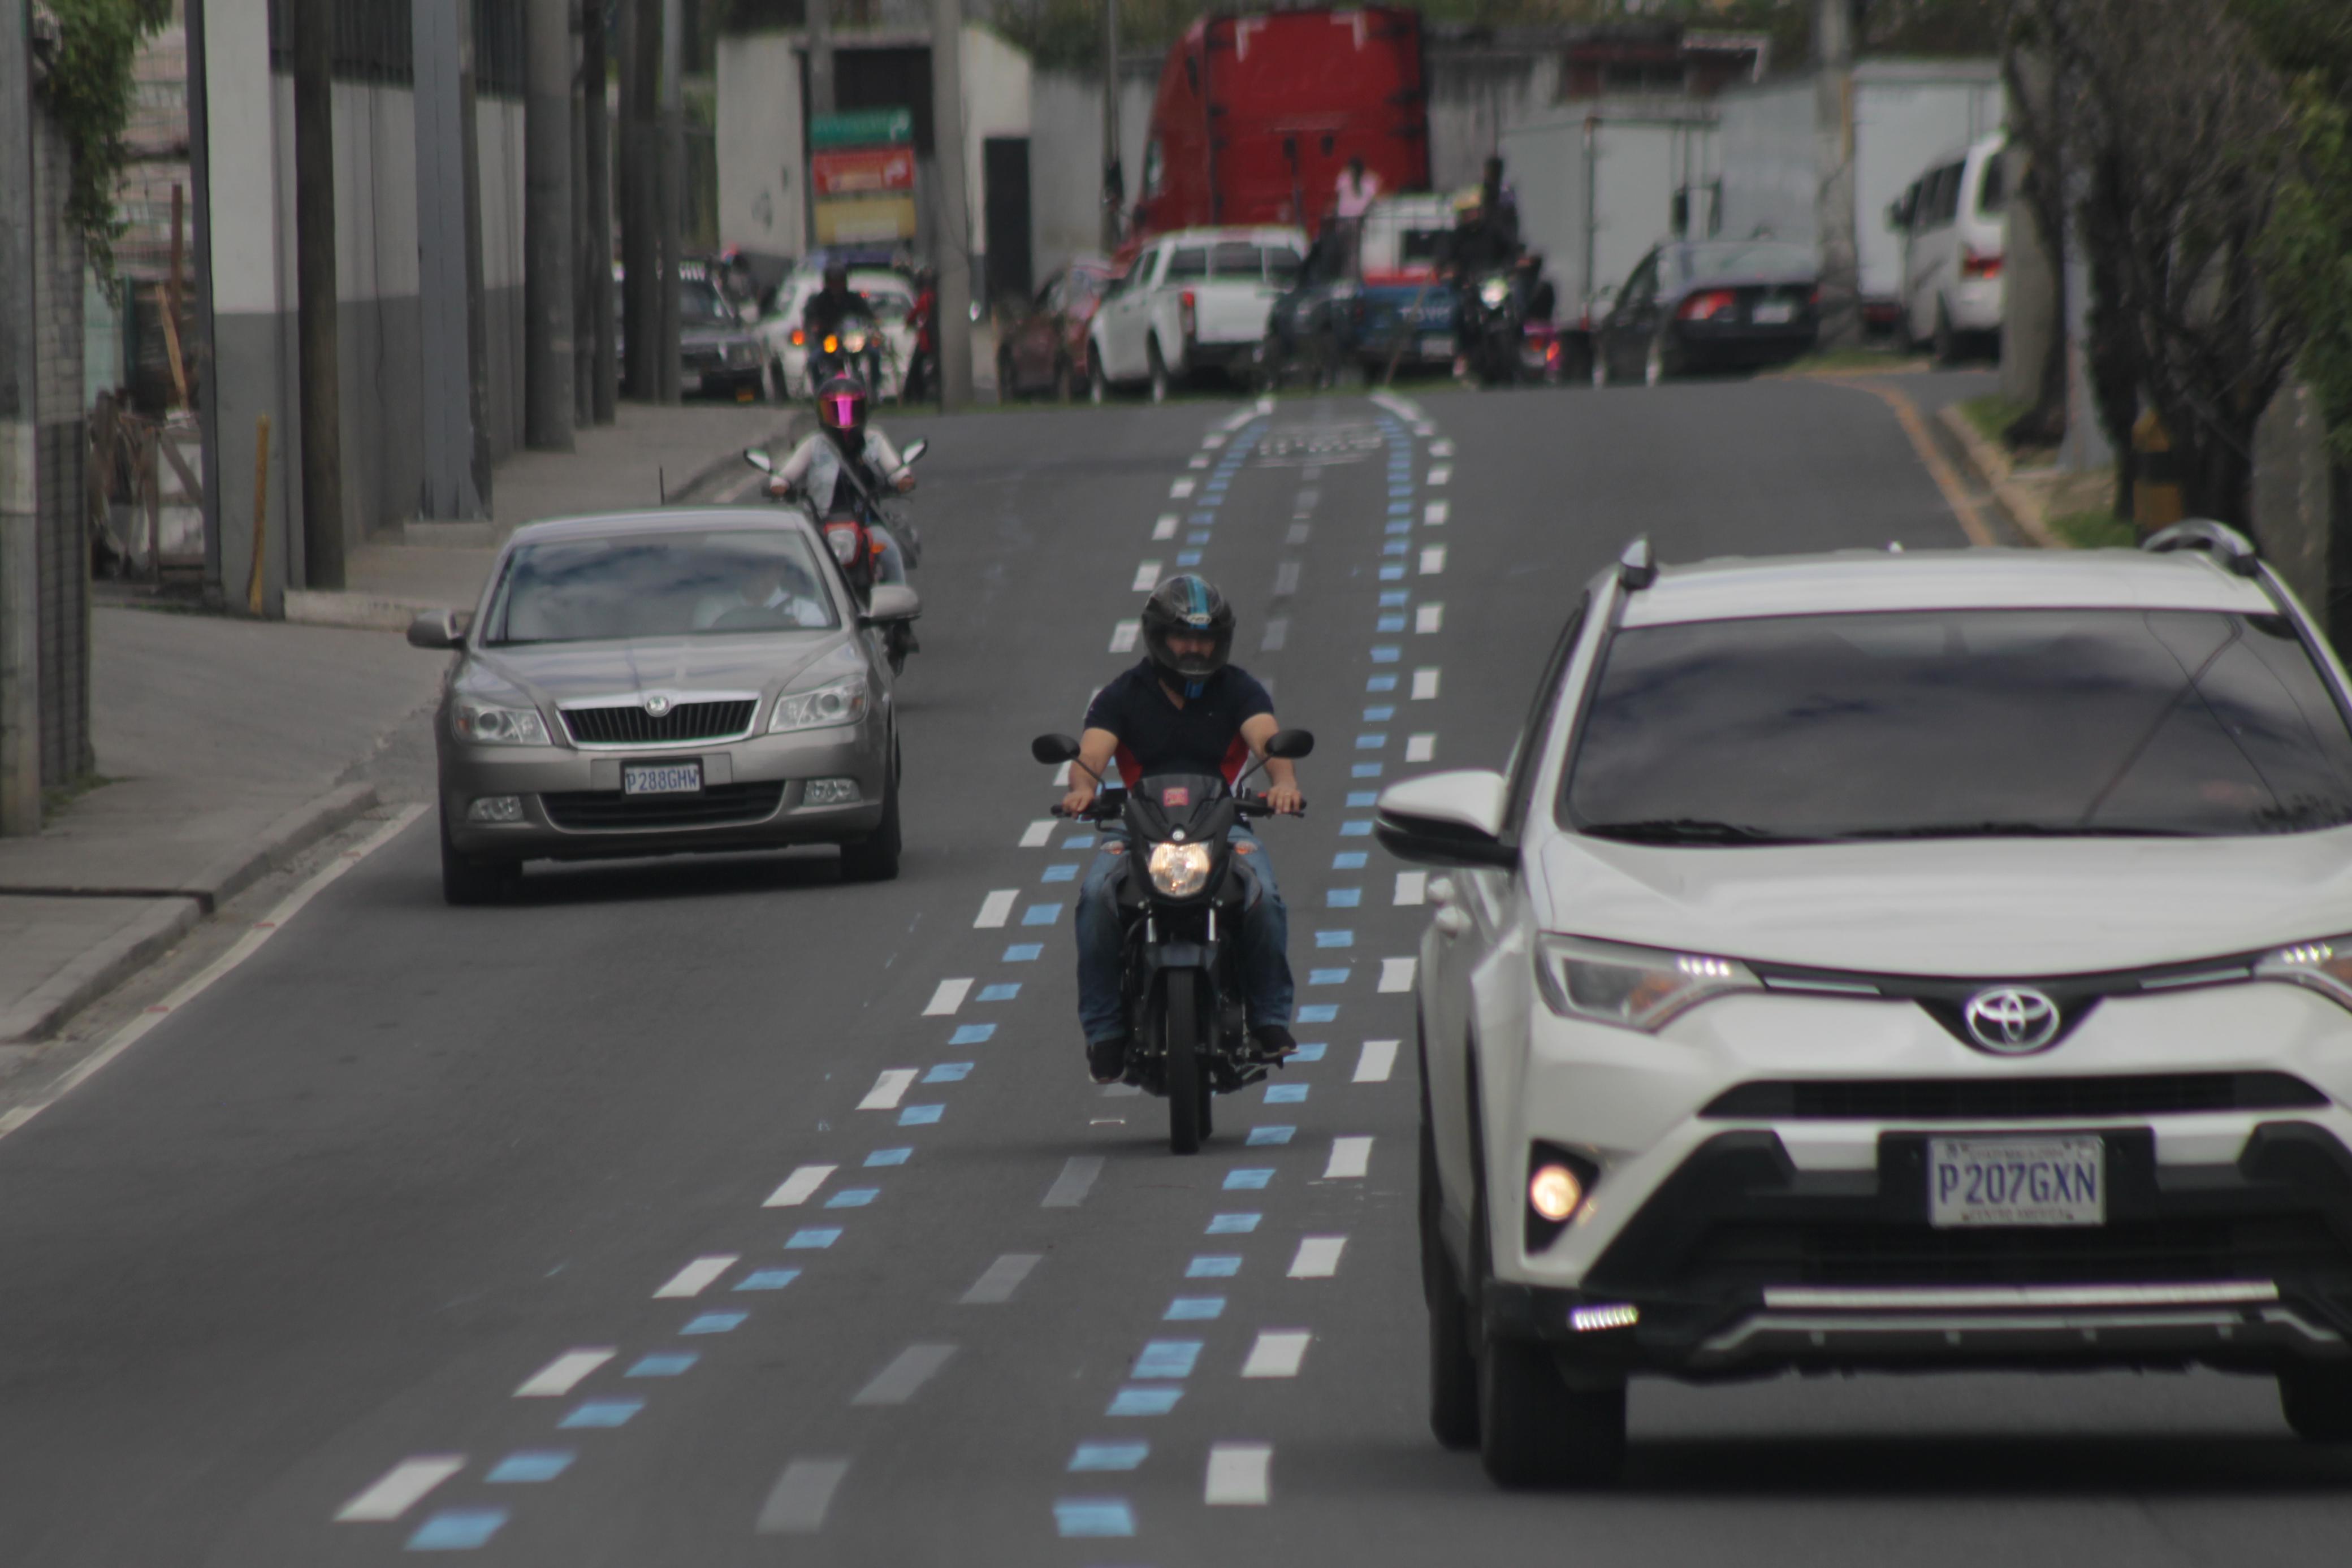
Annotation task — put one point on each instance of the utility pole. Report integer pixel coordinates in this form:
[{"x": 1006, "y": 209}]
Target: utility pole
[
  {"x": 20, "y": 599},
  {"x": 597, "y": 173},
  {"x": 955, "y": 212},
  {"x": 640, "y": 257},
  {"x": 549, "y": 261},
  {"x": 477, "y": 316},
  {"x": 320, "y": 384},
  {"x": 1833, "y": 216},
  {"x": 1113, "y": 173},
  {"x": 670, "y": 188}
]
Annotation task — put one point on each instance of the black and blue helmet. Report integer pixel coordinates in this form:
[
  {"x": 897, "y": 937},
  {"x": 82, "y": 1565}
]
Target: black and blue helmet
[{"x": 1188, "y": 605}]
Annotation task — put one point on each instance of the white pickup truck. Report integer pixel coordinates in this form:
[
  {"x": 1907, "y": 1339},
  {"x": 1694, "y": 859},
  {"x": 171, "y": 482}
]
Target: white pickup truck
[{"x": 1196, "y": 299}]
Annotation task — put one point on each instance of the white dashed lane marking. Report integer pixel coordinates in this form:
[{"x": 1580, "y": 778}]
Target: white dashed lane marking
[
  {"x": 1420, "y": 748},
  {"x": 1277, "y": 1352},
  {"x": 890, "y": 1087},
  {"x": 1146, "y": 577},
  {"x": 400, "y": 1487},
  {"x": 1377, "y": 1061},
  {"x": 1442, "y": 473},
  {"x": 1412, "y": 887},
  {"x": 1179, "y": 490},
  {"x": 1350, "y": 1157},
  {"x": 564, "y": 1374},
  {"x": 905, "y": 1376},
  {"x": 996, "y": 909},
  {"x": 1424, "y": 684},
  {"x": 1396, "y": 974},
  {"x": 1318, "y": 1256},
  {"x": 1238, "y": 1474},
  {"x": 1077, "y": 1179},
  {"x": 799, "y": 1186},
  {"x": 950, "y": 996},
  {"x": 1441, "y": 449},
  {"x": 1429, "y": 618},
  {"x": 1432, "y": 560},
  {"x": 1165, "y": 528},
  {"x": 1001, "y": 1279},
  {"x": 797, "y": 1504},
  {"x": 1435, "y": 513},
  {"x": 1123, "y": 636},
  {"x": 1038, "y": 834},
  {"x": 698, "y": 1276}
]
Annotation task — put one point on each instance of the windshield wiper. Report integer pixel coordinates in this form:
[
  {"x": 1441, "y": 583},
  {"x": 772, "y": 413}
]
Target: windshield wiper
[
  {"x": 2018, "y": 830},
  {"x": 1686, "y": 830}
]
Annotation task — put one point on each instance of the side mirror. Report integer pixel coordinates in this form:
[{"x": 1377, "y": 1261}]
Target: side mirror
[
  {"x": 1446, "y": 819},
  {"x": 915, "y": 450},
  {"x": 892, "y": 602},
  {"x": 1054, "y": 748},
  {"x": 439, "y": 629},
  {"x": 1290, "y": 744},
  {"x": 758, "y": 459}
]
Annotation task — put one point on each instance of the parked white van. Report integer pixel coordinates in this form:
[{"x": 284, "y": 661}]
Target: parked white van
[{"x": 1954, "y": 221}]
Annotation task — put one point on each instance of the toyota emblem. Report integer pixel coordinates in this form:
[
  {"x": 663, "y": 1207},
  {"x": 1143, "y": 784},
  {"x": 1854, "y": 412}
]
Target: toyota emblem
[
  {"x": 657, "y": 705},
  {"x": 2012, "y": 1020}
]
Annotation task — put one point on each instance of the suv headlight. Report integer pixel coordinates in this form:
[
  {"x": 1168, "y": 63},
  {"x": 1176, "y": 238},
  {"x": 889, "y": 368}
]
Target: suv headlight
[
  {"x": 1633, "y": 987},
  {"x": 2324, "y": 966},
  {"x": 487, "y": 723},
  {"x": 1180, "y": 870},
  {"x": 843, "y": 702}
]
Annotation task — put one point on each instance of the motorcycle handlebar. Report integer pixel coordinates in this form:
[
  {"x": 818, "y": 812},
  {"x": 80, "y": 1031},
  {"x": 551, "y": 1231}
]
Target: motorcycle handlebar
[{"x": 1103, "y": 812}]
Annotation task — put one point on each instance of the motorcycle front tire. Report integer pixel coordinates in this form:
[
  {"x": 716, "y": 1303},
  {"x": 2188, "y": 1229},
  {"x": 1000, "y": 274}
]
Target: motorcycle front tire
[{"x": 1188, "y": 1091}]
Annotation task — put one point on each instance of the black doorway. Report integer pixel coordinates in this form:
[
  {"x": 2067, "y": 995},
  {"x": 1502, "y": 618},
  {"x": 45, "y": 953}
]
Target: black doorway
[{"x": 1004, "y": 173}]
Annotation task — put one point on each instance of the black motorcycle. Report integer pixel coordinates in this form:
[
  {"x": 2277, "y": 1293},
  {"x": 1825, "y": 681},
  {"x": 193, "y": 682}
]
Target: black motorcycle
[
  {"x": 849, "y": 534},
  {"x": 1494, "y": 320},
  {"x": 851, "y": 348},
  {"x": 1181, "y": 896}
]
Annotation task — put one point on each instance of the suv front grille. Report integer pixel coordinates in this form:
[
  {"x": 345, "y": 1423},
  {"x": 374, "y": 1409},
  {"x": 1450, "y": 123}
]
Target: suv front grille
[
  {"x": 1754, "y": 1254},
  {"x": 2012, "y": 1099},
  {"x": 628, "y": 723},
  {"x": 718, "y": 806}
]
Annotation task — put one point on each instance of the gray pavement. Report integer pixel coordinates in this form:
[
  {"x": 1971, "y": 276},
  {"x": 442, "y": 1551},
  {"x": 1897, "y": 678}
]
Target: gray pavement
[{"x": 503, "y": 1229}]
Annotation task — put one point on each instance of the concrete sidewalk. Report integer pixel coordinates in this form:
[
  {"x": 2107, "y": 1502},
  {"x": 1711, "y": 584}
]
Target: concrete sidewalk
[{"x": 227, "y": 747}]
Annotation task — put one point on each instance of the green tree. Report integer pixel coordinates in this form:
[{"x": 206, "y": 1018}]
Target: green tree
[{"x": 86, "y": 82}]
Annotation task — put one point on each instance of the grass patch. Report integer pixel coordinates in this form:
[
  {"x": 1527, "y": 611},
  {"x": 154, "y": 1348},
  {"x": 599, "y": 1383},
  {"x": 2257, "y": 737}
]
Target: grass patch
[
  {"x": 2099, "y": 530},
  {"x": 1994, "y": 412}
]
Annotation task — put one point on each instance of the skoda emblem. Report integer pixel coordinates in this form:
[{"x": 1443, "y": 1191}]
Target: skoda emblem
[
  {"x": 2012, "y": 1020},
  {"x": 657, "y": 705}
]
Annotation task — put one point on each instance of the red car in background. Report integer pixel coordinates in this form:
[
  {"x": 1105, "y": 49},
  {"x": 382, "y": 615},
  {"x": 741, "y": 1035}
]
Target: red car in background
[{"x": 1044, "y": 348}]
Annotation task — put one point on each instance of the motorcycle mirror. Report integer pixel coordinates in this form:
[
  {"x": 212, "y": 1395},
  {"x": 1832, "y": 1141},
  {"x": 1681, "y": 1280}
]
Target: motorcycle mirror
[
  {"x": 915, "y": 450},
  {"x": 1290, "y": 744},
  {"x": 758, "y": 459},
  {"x": 1054, "y": 748}
]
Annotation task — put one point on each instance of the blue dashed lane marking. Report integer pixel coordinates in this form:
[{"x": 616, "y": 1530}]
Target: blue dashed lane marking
[
  {"x": 1200, "y": 537},
  {"x": 1171, "y": 1358},
  {"x": 1248, "y": 1179},
  {"x": 1335, "y": 939},
  {"x": 1387, "y": 654},
  {"x": 668, "y": 1364},
  {"x": 1357, "y": 800},
  {"x": 1365, "y": 770},
  {"x": 1042, "y": 915},
  {"x": 948, "y": 1072},
  {"x": 1356, "y": 830},
  {"x": 1110, "y": 1456},
  {"x": 1349, "y": 859},
  {"x": 531, "y": 1465},
  {"x": 1025, "y": 952},
  {"x": 1308, "y": 1050},
  {"x": 812, "y": 1237},
  {"x": 1326, "y": 976},
  {"x": 1396, "y": 547},
  {"x": 1144, "y": 1401},
  {"x": 767, "y": 1279},
  {"x": 1392, "y": 574},
  {"x": 1390, "y": 623},
  {"x": 972, "y": 1033},
  {"x": 1004, "y": 992},
  {"x": 1399, "y": 525},
  {"x": 1213, "y": 1266},
  {"x": 722, "y": 1322},
  {"x": 1381, "y": 684},
  {"x": 889, "y": 1157},
  {"x": 1271, "y": 1134},
  {"x": 602, "y": 1413},
  {"x": 1188, "y": 557},
  {"x": 1233, "y": 1224},
  {"x": 920, "y": 1115},
  {"x": 1318, "y": 1012},
  {"x": 457, "y": 1530},
  {"x": 1373, "y": 742},
  {"x": 1284, "y": 1094},
  {"x": 1343, "y": 897},
  {"x": 1393, "y": 598},
  {"x": 1195, "y": 1309},
  {"x": 1094, "y": 1517},
  {"x": 1380, "y": 714},
  {"x": 852, "y": 1197},
  {"x": 1068, "y": 870},
  {"x": 1083, "y": 841}
]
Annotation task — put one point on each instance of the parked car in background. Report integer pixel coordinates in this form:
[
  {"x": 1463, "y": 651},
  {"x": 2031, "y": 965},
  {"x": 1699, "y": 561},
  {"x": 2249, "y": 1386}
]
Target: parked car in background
[
  {"x": 889, "y": 293},
  {"x": 1953, "y": 222},
  {"x": 1370, "y": 298},
  {"x": 1043, "y": 345},
  {"x": 718, "y": 355},
  {"x": 1700, "y": 305},
  {"x": 1194, "y": 300}
]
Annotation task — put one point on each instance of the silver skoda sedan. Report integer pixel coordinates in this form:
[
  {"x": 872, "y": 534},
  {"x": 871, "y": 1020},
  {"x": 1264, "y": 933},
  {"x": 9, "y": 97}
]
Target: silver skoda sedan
[{"x": 660, "y": 682}]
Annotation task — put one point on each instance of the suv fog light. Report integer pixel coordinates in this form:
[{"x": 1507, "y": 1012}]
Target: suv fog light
[
  {"x": 494, "y": 808},
  {"x": 1559, "y": 1182},
  {"x": 1592, "y": 1319},
  {"x": 1554, "y": 1192},
  {"x": 829, "y": 792}
]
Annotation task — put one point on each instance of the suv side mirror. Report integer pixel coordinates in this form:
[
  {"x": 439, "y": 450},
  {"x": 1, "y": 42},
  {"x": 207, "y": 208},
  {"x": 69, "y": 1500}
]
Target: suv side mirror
[
  {"x": 1054, "y": 748},
  {"x": 1451, "y": 819},
  {"x": 1290, "y": 744},
  {"x": 439, "y": 629}
]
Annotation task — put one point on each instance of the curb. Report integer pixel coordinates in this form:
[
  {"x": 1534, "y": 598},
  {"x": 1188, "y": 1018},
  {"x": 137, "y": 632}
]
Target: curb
[
  {"x": 352, "y": 611},
  {"x": 154, "y": 932},
  {"x": 1992, "y": 469},
  {"x": 692, "y": 493}
]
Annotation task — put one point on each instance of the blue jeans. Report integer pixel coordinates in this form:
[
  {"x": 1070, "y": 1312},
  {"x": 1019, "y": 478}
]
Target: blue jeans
[
  {"x": 891, "y": 567},
  {"x": 1264, "y": 943}
]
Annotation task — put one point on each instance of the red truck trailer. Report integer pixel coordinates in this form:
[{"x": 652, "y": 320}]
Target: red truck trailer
[{"x": 1257, "y": 115}]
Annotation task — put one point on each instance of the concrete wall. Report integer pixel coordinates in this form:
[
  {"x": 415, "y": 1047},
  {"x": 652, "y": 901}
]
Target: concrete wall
[{"x": 1066, "y": 156}]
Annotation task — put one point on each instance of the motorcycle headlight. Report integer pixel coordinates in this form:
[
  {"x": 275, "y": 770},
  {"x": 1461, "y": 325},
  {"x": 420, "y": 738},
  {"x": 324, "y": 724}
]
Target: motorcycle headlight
[
  {"x": 1180, "y": 870},
  {"x": 1633, "y": 987},
  {"x": 843, "y": 702},
  {"x": 1493, "y": 292},
  {"x": 853, "y": 342},
  {"x": 486, "y": 724},
  {"x": 2324, "y": 966}
]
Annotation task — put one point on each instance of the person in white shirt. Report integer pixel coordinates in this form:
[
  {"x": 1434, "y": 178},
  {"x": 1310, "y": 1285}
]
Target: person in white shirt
[
  {"x": 843, "y": 439},
  {"x": 1357, "y": 188}
]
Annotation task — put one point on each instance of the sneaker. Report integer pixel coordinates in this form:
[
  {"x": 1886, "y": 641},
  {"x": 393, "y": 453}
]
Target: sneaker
[
  {"x": 1106, "y": 1060},
  {"x": 1274, "y": 1042}
]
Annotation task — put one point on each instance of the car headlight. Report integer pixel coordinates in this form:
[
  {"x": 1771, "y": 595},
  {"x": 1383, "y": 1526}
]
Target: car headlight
[
  {"x": 1180, "y": 870},
  {"x": 2324, "y": 966},
  {"x": 843, "y": 702},
  {"x": 1493, "y": 292},
  {"x": 1633, "y": 987},
  {"x": 487, "y": 723}
]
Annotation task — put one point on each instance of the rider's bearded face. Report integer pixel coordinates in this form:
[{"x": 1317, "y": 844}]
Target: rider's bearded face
[{"x": 1186, "y": 646}]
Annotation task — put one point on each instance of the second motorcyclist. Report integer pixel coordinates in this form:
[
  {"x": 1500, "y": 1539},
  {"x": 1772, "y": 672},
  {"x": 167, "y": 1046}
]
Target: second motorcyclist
[
  {"x": 1185, "y": 708},
  {"x": 843, "y": 463}
]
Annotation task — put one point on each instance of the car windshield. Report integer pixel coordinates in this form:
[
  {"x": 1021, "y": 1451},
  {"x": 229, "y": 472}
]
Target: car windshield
[
  {"x": 1959, "y": 724},
  {"x": 1746, "y": 258},
  {"x": 659, "y": 585}
]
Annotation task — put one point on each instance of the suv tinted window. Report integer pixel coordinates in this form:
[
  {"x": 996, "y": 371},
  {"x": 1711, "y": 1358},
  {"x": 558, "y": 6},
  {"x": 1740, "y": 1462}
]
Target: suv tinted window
[
  {"x": 1962, "y": 723},
  {"x": 1945, "y": 203},
  {"x": 1187, "y": 262},
  {"x": 1992, "y": 191}
]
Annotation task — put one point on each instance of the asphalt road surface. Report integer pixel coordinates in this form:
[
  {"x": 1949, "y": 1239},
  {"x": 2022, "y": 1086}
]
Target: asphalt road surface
[{"x": 715, "y": 1213}]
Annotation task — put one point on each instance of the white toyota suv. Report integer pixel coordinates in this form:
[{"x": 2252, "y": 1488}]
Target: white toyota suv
[
  {"x": 1900, "y": 961},
  {"x": 1194, "y": 300}
]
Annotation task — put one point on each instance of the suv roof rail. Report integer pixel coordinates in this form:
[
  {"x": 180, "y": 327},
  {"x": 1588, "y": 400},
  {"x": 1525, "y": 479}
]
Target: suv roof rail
[
  {"x": 2236, "y": 550},
  {"x": 1635, "y": 568}
]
